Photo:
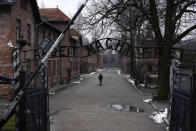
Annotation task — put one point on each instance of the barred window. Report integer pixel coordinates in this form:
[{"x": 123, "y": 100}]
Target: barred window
[
  {"x": 29, "y": 33},
  {"x": 59, "y": 67},
  {"x": 44, "y": 33},
  {"x": 18, "y": 29},
  {"x": 49, "y": 67},
  {"x": 54, "y": 67},
  {"x": 28, "y": 64}
]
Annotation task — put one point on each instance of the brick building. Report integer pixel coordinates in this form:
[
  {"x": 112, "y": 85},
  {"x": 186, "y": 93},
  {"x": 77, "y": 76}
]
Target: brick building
[
  {"x": 100, "y": 64},
  {"x": 18, "y": 18},
  {"x": 62, "y": 69},
  {"x": 148, "y": 66},
  {"x": 22, "y": 18},
  {"x": 125, "y": 64},
  {"x": 91, "y": 63},
  {"x": 75, "y": 40}
]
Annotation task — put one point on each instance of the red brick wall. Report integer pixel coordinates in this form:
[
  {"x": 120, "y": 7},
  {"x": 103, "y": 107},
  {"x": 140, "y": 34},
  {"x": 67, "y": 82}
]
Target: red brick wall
[
  {"x": 8, "y": 17},
  {"x": 143, "y": 69},
  {"x": 65, "y": 63},
  {"x": 53, "y": 64},
  {"x": 5, "y": 51},
  {"x": 125, "y": 64},
  {"x": 100, "y": 64}
]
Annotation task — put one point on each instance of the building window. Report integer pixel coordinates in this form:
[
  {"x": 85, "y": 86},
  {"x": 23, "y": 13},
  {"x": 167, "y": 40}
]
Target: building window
[
  {"x": 54, "y": 37},
  {"x": 49, "y": 67},
  {"x": 149, "y": 68},
  {"x": 76, "y": 66},
  {"x": 28, "y": 64},
  {"x": 24, "y": 4},
  {"x": 29, "y": 33},
  {"x": 18, "y": 29},
  {"x": 49, "y": 35},
  {"x": 72, "y": 67},
  {"x": 58, "y": 67},
  {"x": 44, "y": 33},
  {"x": 54, "y": 67}
]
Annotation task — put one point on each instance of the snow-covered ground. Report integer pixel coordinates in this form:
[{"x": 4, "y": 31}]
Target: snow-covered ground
[
  {"x": 158, "y": 116},
  {"x": 147, "y": 100},
  {"x": 117, "y": 107},
  {"x": 142, "y": 85},
  {"x": 119, "y": 72},
  {"x": 128, "y": 76},
  {"x": 52, "y": 93},
  {"x": 92, "y": 73},
  {"x": 99, "y": 70},
  {"x": 77, "y": 82},
  {"x": 131, "y": 81}
]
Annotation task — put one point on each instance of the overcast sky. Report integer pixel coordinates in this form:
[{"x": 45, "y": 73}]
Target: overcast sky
[{"x": 69, "y": 7}]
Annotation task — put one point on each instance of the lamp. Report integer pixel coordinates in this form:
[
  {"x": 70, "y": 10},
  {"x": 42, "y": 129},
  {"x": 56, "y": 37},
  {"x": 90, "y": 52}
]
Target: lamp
[{"x": 22, "y": 42}]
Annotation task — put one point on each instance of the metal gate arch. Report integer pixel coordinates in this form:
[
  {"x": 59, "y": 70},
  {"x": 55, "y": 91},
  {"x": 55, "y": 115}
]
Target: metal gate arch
[
  {"x": 181, "y": 108},
  {"x": 36, "y": 105}
]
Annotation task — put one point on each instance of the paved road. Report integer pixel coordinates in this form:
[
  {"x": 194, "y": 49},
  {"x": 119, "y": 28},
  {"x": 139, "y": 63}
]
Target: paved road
[{"x": 84, "y": 106}]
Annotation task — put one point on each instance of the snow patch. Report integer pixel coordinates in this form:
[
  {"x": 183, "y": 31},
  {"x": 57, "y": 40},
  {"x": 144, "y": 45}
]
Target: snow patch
[
  {"x": 52, "y": 93},
  {"x": 119, "y": 72},
  {"x": 147, "y": 100},
  {"x": 76, "y": 82},
  {"x": 117, "y": 107},
  {"x": 92, "y": 73},
  {"x": 153, "y": 86},
  {"x": 128, "y": 76},
  {"x": 158, "y": 116},
  {"x": 99, "y": 70},
  {"x": 142, "y": 85},
  {"x": 131, "y": 81}
]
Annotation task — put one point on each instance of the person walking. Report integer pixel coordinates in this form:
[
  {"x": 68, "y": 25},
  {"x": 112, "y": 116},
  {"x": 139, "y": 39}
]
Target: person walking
[{"x": 100, "y": 79}]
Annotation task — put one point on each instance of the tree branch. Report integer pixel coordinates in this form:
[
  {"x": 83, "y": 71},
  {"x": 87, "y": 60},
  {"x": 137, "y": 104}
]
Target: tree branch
[
  {"x": 179, "y": 15},
  {"x": 184, "y": 33}
]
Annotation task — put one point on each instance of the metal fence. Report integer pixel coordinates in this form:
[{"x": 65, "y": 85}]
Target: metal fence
[
  {"x": 36, "y": 116},
  {"x": 36, "y": 104},
  {"x": 181, "y": 108}
]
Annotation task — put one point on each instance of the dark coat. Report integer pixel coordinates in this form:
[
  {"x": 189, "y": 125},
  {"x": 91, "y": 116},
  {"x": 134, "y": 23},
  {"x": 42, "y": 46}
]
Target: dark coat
[{"x": 100, "y": 76}]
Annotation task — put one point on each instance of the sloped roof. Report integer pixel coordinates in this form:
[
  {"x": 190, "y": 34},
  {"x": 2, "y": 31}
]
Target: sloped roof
[
  {"x": 53, "y": 14},
  {"x": 50, "y": 25},
  {"x": 187, "y": 44}
]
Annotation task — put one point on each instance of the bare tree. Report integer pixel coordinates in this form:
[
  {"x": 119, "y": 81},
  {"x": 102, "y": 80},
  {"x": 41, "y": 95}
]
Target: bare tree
[
  {"x": 165, "y": 17},
  {"x": 171, "y": 21}
]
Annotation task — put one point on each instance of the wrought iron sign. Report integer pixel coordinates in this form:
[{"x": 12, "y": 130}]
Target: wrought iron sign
[{"x": 140, "y": 52}]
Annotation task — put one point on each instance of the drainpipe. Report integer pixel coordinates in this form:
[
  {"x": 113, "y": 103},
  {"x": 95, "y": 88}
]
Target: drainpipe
[
  {"x": 61, "y": 71},
  {"x": 36, "y": 46}
]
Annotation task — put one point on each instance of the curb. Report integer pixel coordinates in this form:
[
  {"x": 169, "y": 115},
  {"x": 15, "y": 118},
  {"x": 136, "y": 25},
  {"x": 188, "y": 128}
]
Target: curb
[
  {"x": 53, "y": 90},
  {"x": 134, "y": 86},
  {"x": 56, "y": 89},
  {"x": 155, "y": 108},
  {"x": 166, "y": 121}
]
